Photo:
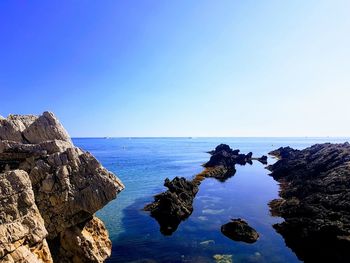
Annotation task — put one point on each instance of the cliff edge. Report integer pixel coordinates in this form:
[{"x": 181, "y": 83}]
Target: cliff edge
[{"x": 49, "y": 192}]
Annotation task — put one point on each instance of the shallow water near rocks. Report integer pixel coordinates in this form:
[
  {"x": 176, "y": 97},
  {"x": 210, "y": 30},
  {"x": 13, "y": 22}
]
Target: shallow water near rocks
[{"x": 143, "y": 164}]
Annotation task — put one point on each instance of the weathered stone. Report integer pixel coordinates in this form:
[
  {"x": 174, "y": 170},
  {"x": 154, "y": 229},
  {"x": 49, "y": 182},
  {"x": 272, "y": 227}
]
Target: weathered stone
[
  {"x": 69, "y": 186},
  {"x": 22, "y": 228},
  {"x": 239, "y": 230},
  {"x": 174, "y": 205},
  {"x": 223, "y": 161},
  {"x": 45, "y": 128},
  {"x": 315, "y": 201},
  {"x": 86, "y": 243}
]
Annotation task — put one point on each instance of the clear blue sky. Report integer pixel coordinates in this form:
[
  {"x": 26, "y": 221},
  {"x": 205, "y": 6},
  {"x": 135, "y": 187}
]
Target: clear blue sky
[{"x": 179, "y": 68}]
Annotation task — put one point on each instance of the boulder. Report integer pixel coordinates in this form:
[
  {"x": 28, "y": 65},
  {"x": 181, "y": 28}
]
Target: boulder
[{"x": 239, "y": 230}]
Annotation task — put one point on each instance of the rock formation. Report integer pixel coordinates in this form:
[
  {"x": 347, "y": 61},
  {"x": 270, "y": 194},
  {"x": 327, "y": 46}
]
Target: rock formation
[
  {"x": 315, "y": 201},
  {"x": 223, "y": 161},
  {"x": 239, "y": 230},
  {"x": 49, "y": 192},
  {"x": 173, "y": 206}
]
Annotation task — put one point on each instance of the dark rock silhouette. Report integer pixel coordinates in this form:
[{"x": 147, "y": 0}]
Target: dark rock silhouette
[
  {"x": 174, "y": 205},
  {"x": 315, "y": 201},
  {"x": 223, "y": 161},
  {"x": 239, "y": 230},
  {"x": 262, "y": 159}
]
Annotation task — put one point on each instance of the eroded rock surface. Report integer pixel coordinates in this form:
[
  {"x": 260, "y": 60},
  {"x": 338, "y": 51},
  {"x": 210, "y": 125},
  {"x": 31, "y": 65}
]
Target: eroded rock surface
[
  {"x": 22, "y": 230},
  {"x": 174, "y": 205},
  {"x": 315, "y": 201},
  {"x": 67, "y": 185},
  {"x": 239, "y": 230}
]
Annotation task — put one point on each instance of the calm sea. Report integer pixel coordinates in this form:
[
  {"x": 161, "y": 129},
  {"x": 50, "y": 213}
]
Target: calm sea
[{"x": 143, "y": 164}]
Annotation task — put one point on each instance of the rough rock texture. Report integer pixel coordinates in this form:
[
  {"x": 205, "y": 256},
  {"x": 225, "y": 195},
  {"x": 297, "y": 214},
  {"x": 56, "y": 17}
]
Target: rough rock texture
[
  {"x": 239, "y": 230},
  {"x": 69, "y": 186},
  {"x": 315, "y": 201},
  {"x": 174, "y": 205},
  {"x": 22, "y": 228},
  {"x": 86, "y": 242}
]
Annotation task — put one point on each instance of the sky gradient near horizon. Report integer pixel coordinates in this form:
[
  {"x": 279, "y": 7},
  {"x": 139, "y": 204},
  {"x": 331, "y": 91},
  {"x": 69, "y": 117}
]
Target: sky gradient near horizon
[{"x": 179, "y": 68}]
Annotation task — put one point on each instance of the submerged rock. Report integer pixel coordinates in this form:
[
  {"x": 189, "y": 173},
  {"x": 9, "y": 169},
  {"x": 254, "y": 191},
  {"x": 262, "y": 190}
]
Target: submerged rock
[
  {"x": 315, "y": 201},
  {"x": 64, "y": 187},
  {"x": 239, "y": 230},
  {"x": 174, "y": 205},
  {"x": 223, "y": 258}
]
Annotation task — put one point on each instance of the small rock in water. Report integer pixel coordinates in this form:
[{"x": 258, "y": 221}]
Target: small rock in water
[
  {"x": 224, "y": 258},
  {"x": 239, "y": 230}
]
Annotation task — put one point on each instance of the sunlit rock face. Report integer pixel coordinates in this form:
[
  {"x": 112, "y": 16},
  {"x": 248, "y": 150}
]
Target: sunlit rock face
[
  {"x": 63, "y": 186},
  {"x": 315, "y": 201},
  {"x": 22, "y": 230}
]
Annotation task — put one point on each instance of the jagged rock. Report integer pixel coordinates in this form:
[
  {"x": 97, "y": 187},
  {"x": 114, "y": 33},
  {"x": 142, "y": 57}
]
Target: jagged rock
[
  {"x": 223, "y": 161},
  {"x": 69, "y": 185},
  {"x": 45, "y": 128},
  {"x": 315, "y": 201},
  {"x": 86, "y": 242},
  {"x": 174, "y": 205},
  {"x": 22, "y": 228},
  {"x": 239, "y": 230},
  {"x": 283, "y": 152},
  {"x": 262, "y": 159}
]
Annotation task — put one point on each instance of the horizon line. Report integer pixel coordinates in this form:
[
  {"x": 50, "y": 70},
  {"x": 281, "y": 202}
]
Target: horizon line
[{"x": 195, "y": 137}]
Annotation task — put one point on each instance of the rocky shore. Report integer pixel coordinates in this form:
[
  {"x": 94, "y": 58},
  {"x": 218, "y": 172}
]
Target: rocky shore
[
  {"x": 315, "y": 201},
  {"x": 49, "y": 192}
]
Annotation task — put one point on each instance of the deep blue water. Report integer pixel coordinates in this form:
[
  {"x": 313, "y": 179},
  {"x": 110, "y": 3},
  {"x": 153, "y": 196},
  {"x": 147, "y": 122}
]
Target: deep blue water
[{"x": 143, "y": 164}]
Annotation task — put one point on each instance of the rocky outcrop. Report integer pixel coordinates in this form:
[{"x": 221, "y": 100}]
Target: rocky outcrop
[
  {"x": 315, "y": 201},
  {"x": 239, "y": 230},
  {"x": 89, "y": 241},
  {"x": 223, "y": 160},
  {"x": 66, "y": 186},
  {"x": 174, "y": 205},
  {"x": 22, "y": 229}
]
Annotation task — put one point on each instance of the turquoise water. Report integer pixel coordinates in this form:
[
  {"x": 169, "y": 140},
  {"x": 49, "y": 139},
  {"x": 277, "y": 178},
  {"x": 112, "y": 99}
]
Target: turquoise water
[{"x": 143, "y": 164}]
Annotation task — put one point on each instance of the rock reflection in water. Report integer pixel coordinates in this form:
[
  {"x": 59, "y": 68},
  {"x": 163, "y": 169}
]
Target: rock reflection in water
[{"x": 173, "y": 206}]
